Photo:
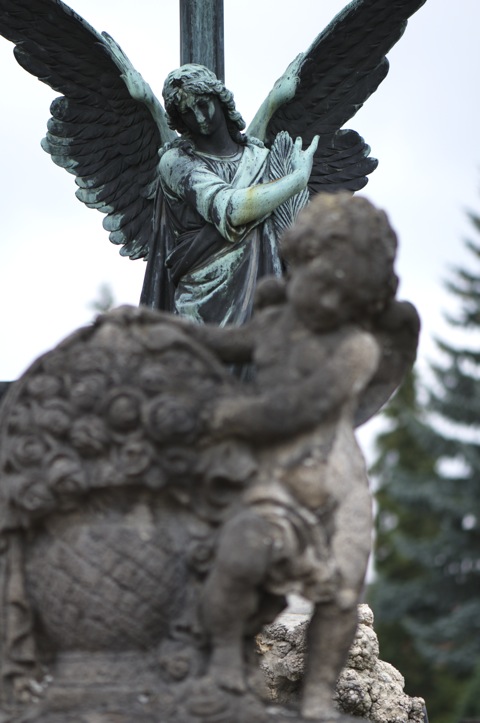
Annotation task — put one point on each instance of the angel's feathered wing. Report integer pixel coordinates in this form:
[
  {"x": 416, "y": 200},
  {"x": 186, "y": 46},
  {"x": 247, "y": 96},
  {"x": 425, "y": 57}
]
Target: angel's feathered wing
[
  {"x": 97, "y": 132},
  {"x": 342, "y": 68}
]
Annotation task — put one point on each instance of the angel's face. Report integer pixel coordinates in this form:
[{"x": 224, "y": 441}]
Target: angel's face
[{"x": 201, "y": 114}]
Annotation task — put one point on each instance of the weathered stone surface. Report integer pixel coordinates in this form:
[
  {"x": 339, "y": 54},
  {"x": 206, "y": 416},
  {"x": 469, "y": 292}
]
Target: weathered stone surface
[
  {"x": 367, "y": 687},
  {"x": 372, "y": 688},
  {"x": 155, "y": 510}
]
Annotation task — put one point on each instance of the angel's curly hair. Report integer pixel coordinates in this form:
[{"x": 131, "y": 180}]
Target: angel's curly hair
[{"x": 198, "y": 79}]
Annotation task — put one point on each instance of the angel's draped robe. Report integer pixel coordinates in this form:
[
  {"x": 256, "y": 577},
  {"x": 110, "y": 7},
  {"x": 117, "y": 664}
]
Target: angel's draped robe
[{"x": 200, "y": 265}]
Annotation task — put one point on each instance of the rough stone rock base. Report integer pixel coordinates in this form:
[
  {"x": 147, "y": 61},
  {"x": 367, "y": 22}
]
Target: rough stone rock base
[{"x": 368, "y": 687}]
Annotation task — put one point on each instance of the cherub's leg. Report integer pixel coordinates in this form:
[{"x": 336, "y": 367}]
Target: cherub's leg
[
  {"x": 330, "y": 634},
  {"x": 333, "y": 625},
  {"x": 231, "y": 593}
]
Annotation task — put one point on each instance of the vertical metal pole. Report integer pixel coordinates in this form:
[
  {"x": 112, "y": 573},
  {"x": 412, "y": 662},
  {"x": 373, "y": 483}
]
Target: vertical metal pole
[{"x": 202, "y": 35}]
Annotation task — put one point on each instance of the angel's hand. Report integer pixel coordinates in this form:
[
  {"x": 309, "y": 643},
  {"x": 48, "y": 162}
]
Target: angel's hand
[
  {"x": 136, "y": 85},
  {"x": 285, "y": 87},
  {"x": 302, "y": 161}
]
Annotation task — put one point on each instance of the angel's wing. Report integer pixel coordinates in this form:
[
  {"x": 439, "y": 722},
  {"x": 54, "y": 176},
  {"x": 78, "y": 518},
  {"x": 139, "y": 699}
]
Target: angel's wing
[
  {"x": 342, "y": 68},
  {"x": 97, "y": 132}
]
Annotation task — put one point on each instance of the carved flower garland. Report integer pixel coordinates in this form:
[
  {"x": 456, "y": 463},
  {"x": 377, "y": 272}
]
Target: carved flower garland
[{"x": 106, "y": 408}]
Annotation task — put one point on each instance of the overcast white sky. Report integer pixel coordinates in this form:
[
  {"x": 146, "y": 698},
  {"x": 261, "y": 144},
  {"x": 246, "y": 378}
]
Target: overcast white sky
[{"x": 422, "y": 124}]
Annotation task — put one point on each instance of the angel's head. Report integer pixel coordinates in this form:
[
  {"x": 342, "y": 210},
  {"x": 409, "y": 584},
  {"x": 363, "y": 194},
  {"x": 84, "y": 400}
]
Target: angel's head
[
  {"x": 186, "y": 83},
  {"x": 341, "y": 255}
]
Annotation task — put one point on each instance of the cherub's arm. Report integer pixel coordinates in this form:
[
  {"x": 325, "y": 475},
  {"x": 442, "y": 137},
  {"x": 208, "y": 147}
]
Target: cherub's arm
[
  {"x": 299, "y": 405},
  {"x": 396, "y": 332},
  {"x": 231, "y": 344}
]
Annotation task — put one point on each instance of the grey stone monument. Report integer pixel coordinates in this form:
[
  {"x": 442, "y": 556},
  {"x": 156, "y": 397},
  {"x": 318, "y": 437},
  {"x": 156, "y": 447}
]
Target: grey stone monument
[{"x": 156, "y": 510}]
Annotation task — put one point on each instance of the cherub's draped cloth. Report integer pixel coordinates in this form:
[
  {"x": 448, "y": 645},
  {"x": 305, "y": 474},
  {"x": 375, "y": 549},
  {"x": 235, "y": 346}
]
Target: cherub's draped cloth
[{"x": 210, "y": 267}]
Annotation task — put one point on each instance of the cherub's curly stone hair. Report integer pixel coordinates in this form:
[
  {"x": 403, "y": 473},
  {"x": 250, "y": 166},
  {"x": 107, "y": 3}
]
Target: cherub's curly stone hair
[
  {"x": 352, "y": 245},
  {"x": 199, "y": 80}
]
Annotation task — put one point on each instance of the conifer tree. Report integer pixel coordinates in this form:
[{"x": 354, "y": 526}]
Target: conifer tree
[
  {"x": 427, "y": 592},
  {"x": 469, "y": 708},
  {"x": 452, "y": 556},
  {"x": 406, "y": 474}
]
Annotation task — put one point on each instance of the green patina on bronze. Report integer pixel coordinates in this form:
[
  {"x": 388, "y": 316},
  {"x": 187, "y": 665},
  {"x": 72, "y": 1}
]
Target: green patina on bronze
[
  {"x": 201, "y": 34},
  {"x": 215, "y": 188}
]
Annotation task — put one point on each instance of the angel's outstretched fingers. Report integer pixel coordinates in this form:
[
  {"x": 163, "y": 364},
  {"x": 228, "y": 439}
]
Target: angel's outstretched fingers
[
  {"x": 313, "y": 145},
  {"x": 297, "y": 152}
]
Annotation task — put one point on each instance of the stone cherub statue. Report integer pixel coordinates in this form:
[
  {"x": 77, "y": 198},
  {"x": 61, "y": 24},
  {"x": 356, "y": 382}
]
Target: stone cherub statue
[
  {"x": 219, "y": 199},
  {"x": 324, "y": 336},
  {"x": 155, "y": 509}
]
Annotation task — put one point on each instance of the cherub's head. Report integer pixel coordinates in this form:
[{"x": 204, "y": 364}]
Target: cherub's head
[
  {"x": 196, "y": 80},
  {"x": 340, "y": 255}
]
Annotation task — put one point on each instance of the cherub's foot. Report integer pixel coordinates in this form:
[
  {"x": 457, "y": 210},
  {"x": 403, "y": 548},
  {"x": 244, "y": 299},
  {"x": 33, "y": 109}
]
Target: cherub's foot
[
  {"x": 317, "y": 704},
  {"x": 226, "y": 667},
  {"x": 230, "y": 679},
  {"x": 329, "y": 715}
]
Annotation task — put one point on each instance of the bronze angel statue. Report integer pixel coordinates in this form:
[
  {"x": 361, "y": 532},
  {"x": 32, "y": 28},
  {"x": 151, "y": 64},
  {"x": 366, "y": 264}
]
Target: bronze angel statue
[{"x": 183, "y": 185}]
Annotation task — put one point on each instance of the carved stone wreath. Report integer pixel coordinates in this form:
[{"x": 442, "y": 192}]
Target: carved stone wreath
[{"x": 111, "y": 497}]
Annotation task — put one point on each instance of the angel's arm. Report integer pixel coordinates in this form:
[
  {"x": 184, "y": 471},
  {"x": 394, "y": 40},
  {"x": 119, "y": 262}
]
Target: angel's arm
[
  {"x": 251, "y": 204},
  {"x": 282, "y": 92},
  {"x": 232, "y": 210},
  {"x": 344, "y": 65}
]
